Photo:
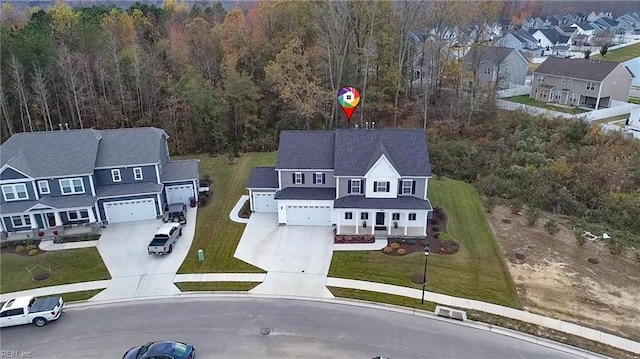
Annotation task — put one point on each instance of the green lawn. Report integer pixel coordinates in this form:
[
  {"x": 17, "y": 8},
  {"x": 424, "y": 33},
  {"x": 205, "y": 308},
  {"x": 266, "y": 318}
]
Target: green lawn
[
  {"x": 620, "y": 55},
  {"x": 634, "y": 100},
  {"x": 216, "y": 286},
  {"x": 526, "y": 100},
  {"x": 477, "y": 271},
  {"x": 382, "y": 298},
  {"x": 77, "y": 296},
  {"x": 216, "y": 234},
  {"x": 613, "y": 119},
  {"x": 68, "y": 266}
]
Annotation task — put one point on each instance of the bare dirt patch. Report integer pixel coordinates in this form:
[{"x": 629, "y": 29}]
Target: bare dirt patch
[{"x": 557, "y": 277}]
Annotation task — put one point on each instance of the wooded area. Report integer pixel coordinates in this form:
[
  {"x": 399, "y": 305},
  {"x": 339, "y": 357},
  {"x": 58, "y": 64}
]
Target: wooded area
[{"x": 221, "y": 82}]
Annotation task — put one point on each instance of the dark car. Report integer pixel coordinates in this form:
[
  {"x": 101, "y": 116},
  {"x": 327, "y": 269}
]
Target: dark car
[
  {"x": 162, "y": 350},
  {"x": 176, "y": 212}
]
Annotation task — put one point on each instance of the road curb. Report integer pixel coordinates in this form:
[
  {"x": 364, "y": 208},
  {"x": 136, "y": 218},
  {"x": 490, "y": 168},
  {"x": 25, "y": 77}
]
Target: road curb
[{"x": 357, "y": 303}]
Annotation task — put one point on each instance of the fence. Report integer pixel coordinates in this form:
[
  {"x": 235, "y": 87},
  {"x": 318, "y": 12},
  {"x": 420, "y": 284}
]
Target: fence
[
  {"x": 610, "y": 112},
  {"x": 513, "y": 106},
  {"x": 515, "y": 91}
]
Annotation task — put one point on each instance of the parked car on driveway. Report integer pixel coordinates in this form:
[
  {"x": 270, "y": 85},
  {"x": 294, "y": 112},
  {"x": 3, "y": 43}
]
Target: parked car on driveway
[
  {"x": 30, "y": 309},
  {"x": 164, "y": 350},
  {"x": 165, "y": 238}
]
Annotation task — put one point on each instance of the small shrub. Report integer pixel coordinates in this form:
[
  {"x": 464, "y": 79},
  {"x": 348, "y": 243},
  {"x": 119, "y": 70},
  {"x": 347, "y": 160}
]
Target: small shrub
[
  {"x": 28, "y": 242},
  {"x": 399, "y": 240},
  {"x": 445, "y": 237},
  {"x": 426, "y": 243},
  {"x": 490, "y": 204},
  {"x": 20, "y": 249},
  {"x": 532, "y": 215},
  {"x": 552, "y": 226},
  {"x": 579, "y": 236},
  {"x": 30, "y": 247},
  {"x": 516, "y": 206},
  {"x": 388, "y": 250},
  {"x": 33, "y": 252},
  {"x": 411, "y": 242},
  {"x": 402, "y": 251},
  {"x": 395, "y": 245},
  {"x": 616, "y": 246},
  {"x": 439, "y": 213},
  {"x": 436, "y": 229}
]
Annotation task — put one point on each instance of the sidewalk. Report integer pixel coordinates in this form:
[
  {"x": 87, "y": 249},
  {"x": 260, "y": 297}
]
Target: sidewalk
[
  {"x": 50, "y": 246},
  {"x": 57, "y": 289}
]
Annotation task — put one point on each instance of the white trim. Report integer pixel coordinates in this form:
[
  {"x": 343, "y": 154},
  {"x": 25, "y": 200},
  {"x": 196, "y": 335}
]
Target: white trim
[
  {"x": 184, "y": 180},
  {"x": 72, "y": 186},
  {"x": 295, "y": 178},
  {"x": 135, "y": 178},
  {"x": 115, "y": 172},
  {"x": 348, "y": 176},
  {"x": 98, "y": 216},
  {"x": 366, "y": 175},
  {"x": 40, "y": 187},
  {"x": 14, "y": 192},
  {"x": 35, "y": 190},
  {"x": 23, "y": 222},
  {"x": 316, "y": 177},
  {"x": 262, "y": 189},
  {"x": 127, "y": 166},
  {"x": 304, "y": 169},
  {"x": 377, "y": 188},
  {"x": 279, "y": 179},
  {"x": 70, "y": 175},
  {"x": 125, "y": 196},
  {"x": 359, "y": 181},
  {"x": 77, "y": 213},
  {"x": 40, "y": 206},
  {"x": 93, "y": 188},
  {"x": 159, "y": 207},
  {"x": 13, "y": 168},
  {"x": 158, "y": 173},
  {"x": 426, "y": 187},
  {"x": 410, "y": 181}
]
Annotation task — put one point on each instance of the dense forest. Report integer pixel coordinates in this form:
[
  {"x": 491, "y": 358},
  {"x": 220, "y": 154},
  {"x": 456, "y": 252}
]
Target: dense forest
[{"x": 228, "y": 82}]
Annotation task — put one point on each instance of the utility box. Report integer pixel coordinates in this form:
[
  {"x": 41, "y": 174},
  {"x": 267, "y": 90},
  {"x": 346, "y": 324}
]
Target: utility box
[{"x": 200, "y": 255}]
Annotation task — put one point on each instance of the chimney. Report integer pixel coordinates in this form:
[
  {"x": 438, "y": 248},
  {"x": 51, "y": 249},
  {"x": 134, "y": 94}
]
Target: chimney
[{"x": 66, "y": 125}]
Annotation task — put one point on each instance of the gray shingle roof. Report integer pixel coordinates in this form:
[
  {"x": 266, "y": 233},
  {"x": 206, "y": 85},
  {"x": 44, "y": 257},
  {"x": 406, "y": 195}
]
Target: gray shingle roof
[
  {"x": 184, "y": 170},
  {"x": 407, "y": 151},
  {"x": 130, "y": 146},
  {"x": 402, "y": 202},
  {"x": 60, "y": 202},
  {"x": 584, "y": 69},
  {"x": 306, "y": 150},
  {"x": 317, "y": 193},
  {"x": 493, "y": 55},
  {"x": 263, "y": 177},
  {"x": 128, "y": 189},
  {"x": 554, "y": 36},
  {"x": 51, "y": 153}
]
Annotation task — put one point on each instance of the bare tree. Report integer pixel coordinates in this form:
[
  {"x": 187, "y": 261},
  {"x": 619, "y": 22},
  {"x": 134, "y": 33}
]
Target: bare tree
[
  {"x": 40, "y": 85},
  {"x": 4, "y": 111},
  {"x": 367, "y": 53},
  {"x": 17, "y": 75},
  {"x": 113, "y": 53},
  {"x": 70, "y": 74}
]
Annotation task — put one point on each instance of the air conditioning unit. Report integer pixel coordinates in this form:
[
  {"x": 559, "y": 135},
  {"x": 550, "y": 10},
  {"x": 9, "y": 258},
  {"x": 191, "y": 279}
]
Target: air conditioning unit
[{"x": 451, "y": 313}]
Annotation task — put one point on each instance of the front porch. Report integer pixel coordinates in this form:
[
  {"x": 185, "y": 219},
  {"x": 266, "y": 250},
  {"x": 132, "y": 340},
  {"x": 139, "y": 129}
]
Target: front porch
[
  {"x": 387, "y": 232},
  {"x": 389, "y": 222},
  {"x": 50, "y": 233}
]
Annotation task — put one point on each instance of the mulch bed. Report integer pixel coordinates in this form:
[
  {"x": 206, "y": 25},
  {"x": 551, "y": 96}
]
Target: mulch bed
[
  {"x": 77, "y": 238},
  {"x": 363, "y": 238},
  {"x": 11, "y": 248},
  {"x": 436, "y": 245},
  {"x": 245, "y": 211}
]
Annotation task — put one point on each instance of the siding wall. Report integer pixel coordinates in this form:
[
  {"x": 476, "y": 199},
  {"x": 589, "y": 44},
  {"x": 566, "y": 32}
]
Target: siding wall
[
  {"x": 287, "y": 179},
  {"x": 28, "y": 185},
  {"x": 103, "y": 176},
  {"x": 9, "y": 174}
]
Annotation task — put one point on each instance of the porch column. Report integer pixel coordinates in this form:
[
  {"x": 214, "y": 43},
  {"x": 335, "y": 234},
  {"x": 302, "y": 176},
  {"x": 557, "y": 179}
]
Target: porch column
[
  {"x": 388, "y": 223},
  {"x": 357, "y": 221},
  {"x": 92, "y": 217},
  {"x": 373, "y": 223},
  {"x": 406, "y": 222},
  {"x": 339, "y": 214},
  {"x": 426, "y": 219},
  {"x": 56, "y": 214},
  {"x": 34, "y": 224}
]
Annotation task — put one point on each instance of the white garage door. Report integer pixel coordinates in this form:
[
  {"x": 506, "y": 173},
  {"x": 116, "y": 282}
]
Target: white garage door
[
  {"x": 264, "y": 202},
  {"x": 179, "y": 194},
  {"x": 308, "y": 215},
  {"x": 132, "y": 210}
]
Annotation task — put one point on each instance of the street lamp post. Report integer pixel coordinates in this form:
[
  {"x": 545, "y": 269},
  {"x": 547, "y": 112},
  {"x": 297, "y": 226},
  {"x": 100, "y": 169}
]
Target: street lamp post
[{"x": 424, "y": 279}]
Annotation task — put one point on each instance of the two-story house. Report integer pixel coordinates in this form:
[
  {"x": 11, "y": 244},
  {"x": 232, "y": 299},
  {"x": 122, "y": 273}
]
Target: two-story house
[
  {"x": 58, "y": 178},
  {"x": 520, "y": 40},
  {"x": 358, "y": 180},
  {"x": 497, "y": 66},
  {"x": 581, "y": 82}
]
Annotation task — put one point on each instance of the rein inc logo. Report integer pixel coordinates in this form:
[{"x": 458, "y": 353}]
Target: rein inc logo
[{"x": 16, "y": 354}]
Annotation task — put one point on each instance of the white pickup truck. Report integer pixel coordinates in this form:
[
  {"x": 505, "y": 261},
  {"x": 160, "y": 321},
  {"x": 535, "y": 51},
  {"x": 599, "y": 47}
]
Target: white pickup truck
[
  {"x": 165, "y": 238},
  {"x": 29, "y": 309}
]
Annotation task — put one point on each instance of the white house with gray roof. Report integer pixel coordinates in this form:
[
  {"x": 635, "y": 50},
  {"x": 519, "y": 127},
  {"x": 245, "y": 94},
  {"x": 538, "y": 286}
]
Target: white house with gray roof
[
  {"x": 54, "y": 179},
  {"x": 358, "y": 180}
]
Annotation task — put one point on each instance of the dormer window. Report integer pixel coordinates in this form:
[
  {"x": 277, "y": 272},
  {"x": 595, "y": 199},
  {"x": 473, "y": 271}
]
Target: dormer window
[
  {"x": 15, "y": 192},
  {"x": 319, "y": 178},
  {"x": 355, "y": 186},
  {"x": 407, "y": 186},
  {"x": 137, "y": 173},
  {"x": 298, "y": 178},
  {"x": 381, "y": 186},
  {"x": 115, "y": 176}
]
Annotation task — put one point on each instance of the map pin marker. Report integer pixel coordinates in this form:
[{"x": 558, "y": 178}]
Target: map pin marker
[{"x": 348, "y": 98}]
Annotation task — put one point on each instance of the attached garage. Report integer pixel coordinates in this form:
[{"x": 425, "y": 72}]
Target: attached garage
[
  {"x": 179, "y": 193},
  {"x": 264, "y": 202},
  {"x": 131, "y": 210},
  {"x": 303, "y": 215}
]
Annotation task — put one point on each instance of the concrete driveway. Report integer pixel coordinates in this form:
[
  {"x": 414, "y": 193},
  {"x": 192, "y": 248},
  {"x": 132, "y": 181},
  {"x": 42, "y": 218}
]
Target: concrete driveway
[
  {"x": 123, "y": 247},
  {"x": 296, "y": 258}
]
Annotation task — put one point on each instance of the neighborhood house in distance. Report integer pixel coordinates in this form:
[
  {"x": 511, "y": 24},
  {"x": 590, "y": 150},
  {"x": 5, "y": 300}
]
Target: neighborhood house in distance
[
  {"x": 581, "y": 82},
  {"x": 359, "y": 180},
  {"x": 58, "y": 178}
]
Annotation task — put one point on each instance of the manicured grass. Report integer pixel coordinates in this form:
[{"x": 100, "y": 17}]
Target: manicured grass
[
  {"x": 620, "y": 55},
  {"x": 634, "y": 100},
  {"x": 477, "y": 271},
  {"x": 216, "y": 234},
  {"x": 382, "y": 298},
  {"x": 526, "y": 100},
  {"x": 216, "y": 286},
  {"x": 67, "y": 266},
  {"x": 78, "y": 296},
  {"x": 613, "y": 119}
]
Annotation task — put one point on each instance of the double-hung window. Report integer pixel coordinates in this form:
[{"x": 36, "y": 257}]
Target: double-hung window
[
  {"x": 381, "y": 186},
  {"x": 297, "y": 178},
  {"x": 44, "y": 187},
  {"x": 407, "y": 186},
  {"x": 78, "y": 215},
  {"x": 137, "y": 173},
  {"x": 21, "y": 221},
  {"x": 355, "y": 186},
  {"x": 71, "y": 186},
  {"x": 115, "y": 175},
  {"x": 15, "y": 192},
  {"x": 412, "y": 216},
  {"x": 318, "y": 178},
  {"x": 591, "y": 86}
]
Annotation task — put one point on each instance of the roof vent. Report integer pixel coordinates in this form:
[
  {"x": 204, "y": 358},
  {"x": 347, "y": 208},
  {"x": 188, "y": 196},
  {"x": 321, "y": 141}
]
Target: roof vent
[
  {"x": 66, "y": 125},
  {"x": 373, "y": 124},
  {"x": 356, "y": 127},
  {"x": 366, "y": 125}
]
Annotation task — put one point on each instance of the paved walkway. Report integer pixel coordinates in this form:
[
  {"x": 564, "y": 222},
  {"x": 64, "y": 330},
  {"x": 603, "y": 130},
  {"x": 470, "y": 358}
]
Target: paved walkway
[
  {"x": 233, "y": 215},
  {"x": 48, "y": 245},
  {"x": 375, "y": 246},
  {"x": 57, "y": 289}
]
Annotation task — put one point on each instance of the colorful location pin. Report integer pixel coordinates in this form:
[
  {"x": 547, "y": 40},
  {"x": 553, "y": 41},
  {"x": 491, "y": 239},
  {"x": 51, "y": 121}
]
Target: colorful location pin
[{"x": 349, "y": 98}]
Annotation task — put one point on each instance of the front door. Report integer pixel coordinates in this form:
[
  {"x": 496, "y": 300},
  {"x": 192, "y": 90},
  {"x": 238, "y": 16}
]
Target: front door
[
  {"x": 51, "y": 219},
  {"x": 380, "y": 220}
]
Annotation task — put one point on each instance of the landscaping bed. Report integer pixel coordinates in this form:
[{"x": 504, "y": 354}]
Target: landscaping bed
[
  {"x": 77, "y": 238},
  {"x": 245, "y": 211},
  {"x": 22, "y": 248},
  {"x": 361, "y": 238}
]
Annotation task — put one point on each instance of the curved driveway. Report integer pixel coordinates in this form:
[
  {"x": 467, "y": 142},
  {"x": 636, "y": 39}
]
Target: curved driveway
[{"x": 231, "y": 328}]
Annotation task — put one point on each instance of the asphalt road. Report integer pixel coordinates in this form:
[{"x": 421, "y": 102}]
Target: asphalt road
[{"x": 231, "y": 328}]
